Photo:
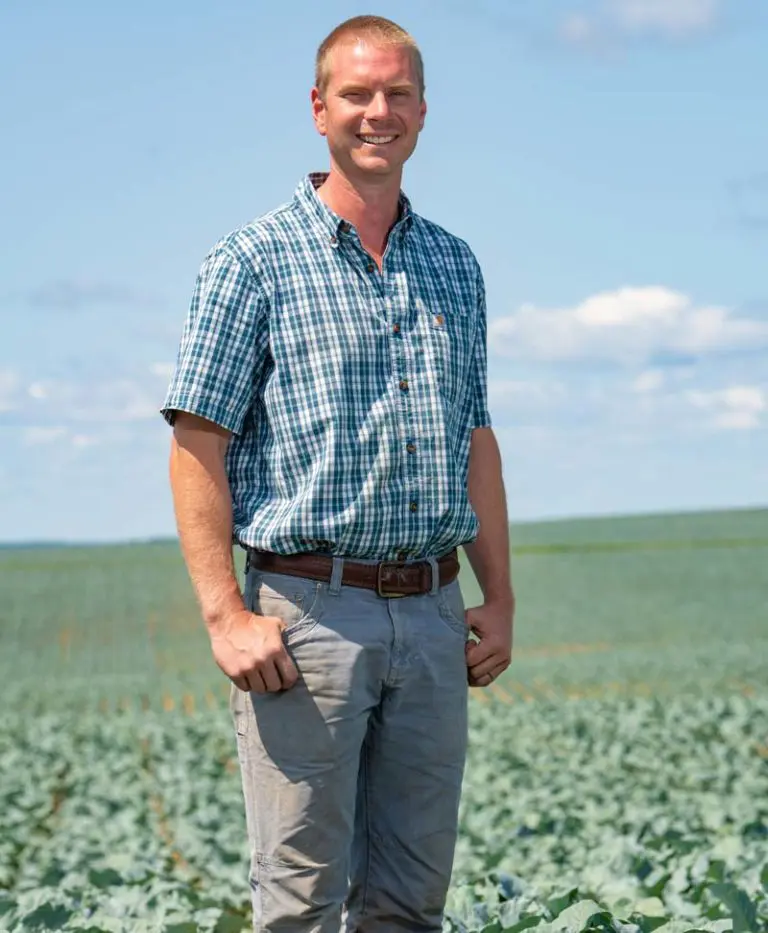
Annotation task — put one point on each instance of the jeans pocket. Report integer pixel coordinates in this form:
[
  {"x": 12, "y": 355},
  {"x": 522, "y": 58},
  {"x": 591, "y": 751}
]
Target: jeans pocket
[
  {"x": 294, "y": 600},
  {"x": 450, "y": 602}
]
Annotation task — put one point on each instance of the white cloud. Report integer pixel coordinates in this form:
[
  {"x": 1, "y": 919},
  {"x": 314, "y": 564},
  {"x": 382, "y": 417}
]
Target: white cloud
[
  {"x": 629, "y": 326},
  {"x": 38, "y": 390},
  {"x": 163, "y": 370},
  {"x": 651, "y": 380},
  {"x": 35, "y": 436},
  {"x": 518, "y": 393},
  {"x": 118, "y": 400},
  {"x": 84, "y": 440},
  {"x": 121, "y": 400},
  {"x": 667, "y": 17},
  {"x": 578, "y": 29},
  {"x": 9, "y": 382},
  {"x": 737, "y": 407}
]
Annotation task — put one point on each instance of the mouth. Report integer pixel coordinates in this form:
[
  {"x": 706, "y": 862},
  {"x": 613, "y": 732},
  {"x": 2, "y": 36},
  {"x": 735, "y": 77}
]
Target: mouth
[{"x": 371, "y": 140}]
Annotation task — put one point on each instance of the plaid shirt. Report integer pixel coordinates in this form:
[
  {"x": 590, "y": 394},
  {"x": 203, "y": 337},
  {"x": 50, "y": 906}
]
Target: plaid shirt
[{"x": 351, "y": 394}]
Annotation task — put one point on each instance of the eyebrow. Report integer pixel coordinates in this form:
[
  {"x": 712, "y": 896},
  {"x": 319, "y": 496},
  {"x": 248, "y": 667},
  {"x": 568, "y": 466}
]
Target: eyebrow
[{"x": 346, "y": 88}]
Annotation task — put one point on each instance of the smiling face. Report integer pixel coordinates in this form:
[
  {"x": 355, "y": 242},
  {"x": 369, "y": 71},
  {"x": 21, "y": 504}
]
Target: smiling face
[{"x": 371, "y": 110}]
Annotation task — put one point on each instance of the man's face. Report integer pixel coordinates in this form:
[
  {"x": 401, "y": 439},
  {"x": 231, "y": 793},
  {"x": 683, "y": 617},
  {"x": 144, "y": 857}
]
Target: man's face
[{"x": 371, "y": 113}]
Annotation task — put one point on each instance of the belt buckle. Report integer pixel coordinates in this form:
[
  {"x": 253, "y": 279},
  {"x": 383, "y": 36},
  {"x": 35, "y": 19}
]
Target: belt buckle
[{"x": 379, "y": 590}]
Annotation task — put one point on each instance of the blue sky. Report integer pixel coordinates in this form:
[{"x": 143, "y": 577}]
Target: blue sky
[{"x": 606, "y": 160}]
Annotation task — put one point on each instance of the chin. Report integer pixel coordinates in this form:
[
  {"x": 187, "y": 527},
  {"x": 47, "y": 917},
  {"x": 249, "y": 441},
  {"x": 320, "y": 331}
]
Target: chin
[
  {"x": 378, "y": 164},
  {"x": 379, "y": 168}
]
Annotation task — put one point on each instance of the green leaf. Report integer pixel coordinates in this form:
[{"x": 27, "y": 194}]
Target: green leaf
[
  {"x": 557, "y": 904},
  {"x": 509, "y": 886},
  {"x": 651, "y": 907},
  {"x": 656, "y": 882},
  {"x": 648, "y": 924},
  {"x": 230, "y": 922},
  {"x": 580, "y": 916},
  {"x": 51, "y": 877},
  {"x": 678, "y": 926},
  {"x": 90, "y": 930},
  {"x": 105, "y": 878},
  {"x": 47, "y": 917},
  {"x": 527, "y": 923},
  {"x": 493, "y": 927},
  {"x": 716, "y": 870},
  {"x": 743, "y": 911}
]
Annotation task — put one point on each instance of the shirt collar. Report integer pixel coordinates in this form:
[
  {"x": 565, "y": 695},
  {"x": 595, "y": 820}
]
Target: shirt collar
[{"x": 306, "y": 196}]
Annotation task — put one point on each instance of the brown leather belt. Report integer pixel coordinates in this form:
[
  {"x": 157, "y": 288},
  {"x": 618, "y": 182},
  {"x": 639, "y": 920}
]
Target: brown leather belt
[{"x": 390, "y": 578}]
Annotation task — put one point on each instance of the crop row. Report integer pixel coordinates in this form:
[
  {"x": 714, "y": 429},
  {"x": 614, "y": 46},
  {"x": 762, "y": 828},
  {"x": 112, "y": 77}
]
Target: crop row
[{"x": 648, "y": 810}]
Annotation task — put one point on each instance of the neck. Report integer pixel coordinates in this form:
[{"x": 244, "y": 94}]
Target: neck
[{"x": 371, "y": 207}]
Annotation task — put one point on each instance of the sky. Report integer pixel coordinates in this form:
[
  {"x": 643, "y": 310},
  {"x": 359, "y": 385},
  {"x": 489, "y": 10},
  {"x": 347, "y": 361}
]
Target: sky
[{"x": 606, "y": 160}]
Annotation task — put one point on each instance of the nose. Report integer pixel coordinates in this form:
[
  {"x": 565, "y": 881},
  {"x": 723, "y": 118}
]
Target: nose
[{"x": 378, "y": 108}]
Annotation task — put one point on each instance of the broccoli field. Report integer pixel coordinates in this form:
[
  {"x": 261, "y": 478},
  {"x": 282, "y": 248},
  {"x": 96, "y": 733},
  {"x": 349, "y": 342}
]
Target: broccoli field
[{"x": 617, "y": 777}]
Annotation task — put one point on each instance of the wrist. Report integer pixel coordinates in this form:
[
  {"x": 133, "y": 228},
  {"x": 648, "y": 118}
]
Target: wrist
[
  {"x": 216, "y": 615},
  {"x": 501, "y": 599}
]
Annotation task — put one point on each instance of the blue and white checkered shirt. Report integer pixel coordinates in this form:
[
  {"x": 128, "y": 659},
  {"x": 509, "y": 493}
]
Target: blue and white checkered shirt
[{"x": 351, "y": 394}]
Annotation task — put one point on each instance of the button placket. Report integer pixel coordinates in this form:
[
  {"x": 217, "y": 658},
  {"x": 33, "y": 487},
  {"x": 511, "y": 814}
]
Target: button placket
[
  {"x": 394, "y": 287},
  {"x": 406, "y": 386}
]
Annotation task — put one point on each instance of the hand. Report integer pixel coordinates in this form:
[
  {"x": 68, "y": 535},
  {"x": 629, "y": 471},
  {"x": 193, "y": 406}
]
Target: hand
[
  {"x": 492, "y": 653},
  {"x": 250, "y": 650}
]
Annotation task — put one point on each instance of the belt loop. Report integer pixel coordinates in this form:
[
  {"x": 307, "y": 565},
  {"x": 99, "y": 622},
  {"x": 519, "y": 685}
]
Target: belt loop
[
  {"x": 247, "y": 560},
  {"x": 435, "y": 576},
  {"x": 338, "y": 569}
]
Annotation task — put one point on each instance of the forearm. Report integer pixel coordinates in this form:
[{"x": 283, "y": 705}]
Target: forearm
[
  {"x": 489, "y": 553},
  {"x": 203, "y": 507}
]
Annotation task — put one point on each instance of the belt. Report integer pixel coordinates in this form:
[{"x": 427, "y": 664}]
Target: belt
[{"x": 389, "y": 578}]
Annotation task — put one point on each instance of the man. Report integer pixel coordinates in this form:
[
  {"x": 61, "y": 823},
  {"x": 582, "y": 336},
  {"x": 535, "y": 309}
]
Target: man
[{"x": 329, "y": 412}]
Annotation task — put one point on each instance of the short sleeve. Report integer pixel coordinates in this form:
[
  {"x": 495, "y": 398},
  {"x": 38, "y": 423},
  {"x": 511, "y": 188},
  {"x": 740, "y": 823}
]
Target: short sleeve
[
  {"x": 223, "y": 344},
  {"x": 480, "y": 415}
]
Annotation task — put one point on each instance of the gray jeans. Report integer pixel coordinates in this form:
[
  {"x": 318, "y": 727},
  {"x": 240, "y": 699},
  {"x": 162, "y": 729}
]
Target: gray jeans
[{"x": 352, "y": 778}]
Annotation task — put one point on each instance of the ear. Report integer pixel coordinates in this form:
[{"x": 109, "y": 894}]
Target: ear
[
  {"x": 422, "y": 114},
  {"x": 318, "y": 111}
]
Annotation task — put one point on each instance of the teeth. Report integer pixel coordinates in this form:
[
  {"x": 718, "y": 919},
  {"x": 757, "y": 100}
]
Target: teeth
[{"x": 377, "y": 140}]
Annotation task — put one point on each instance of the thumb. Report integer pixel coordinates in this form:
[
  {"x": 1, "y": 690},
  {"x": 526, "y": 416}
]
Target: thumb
[{"x": 280, "y": 623}]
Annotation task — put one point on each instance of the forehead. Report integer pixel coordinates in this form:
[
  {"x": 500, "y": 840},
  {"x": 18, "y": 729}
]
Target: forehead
[{"x": 364, "y": 59}]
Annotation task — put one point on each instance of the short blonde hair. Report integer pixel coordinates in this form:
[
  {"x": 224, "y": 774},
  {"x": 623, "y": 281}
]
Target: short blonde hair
[{"x": 378, "y": 28}]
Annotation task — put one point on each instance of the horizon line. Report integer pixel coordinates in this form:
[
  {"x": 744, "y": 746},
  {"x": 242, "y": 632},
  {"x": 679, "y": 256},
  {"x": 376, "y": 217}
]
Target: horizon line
[{"x": 40, "y": 543}]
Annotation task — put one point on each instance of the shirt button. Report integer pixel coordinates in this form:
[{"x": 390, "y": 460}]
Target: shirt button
[
  {"x": 371, "y": 267},
  {"x": 411, "y": 448},
  {"x": 396, "y": 328},
  {"x": 404, "y": 385},
  {"x": 414, "y": 506},
  {"x": 439, "y": 319}
]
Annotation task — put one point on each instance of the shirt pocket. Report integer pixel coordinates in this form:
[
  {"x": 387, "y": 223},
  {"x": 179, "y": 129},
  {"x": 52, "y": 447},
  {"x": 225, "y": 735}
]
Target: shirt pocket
[{"x": 447, "y": 334}]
